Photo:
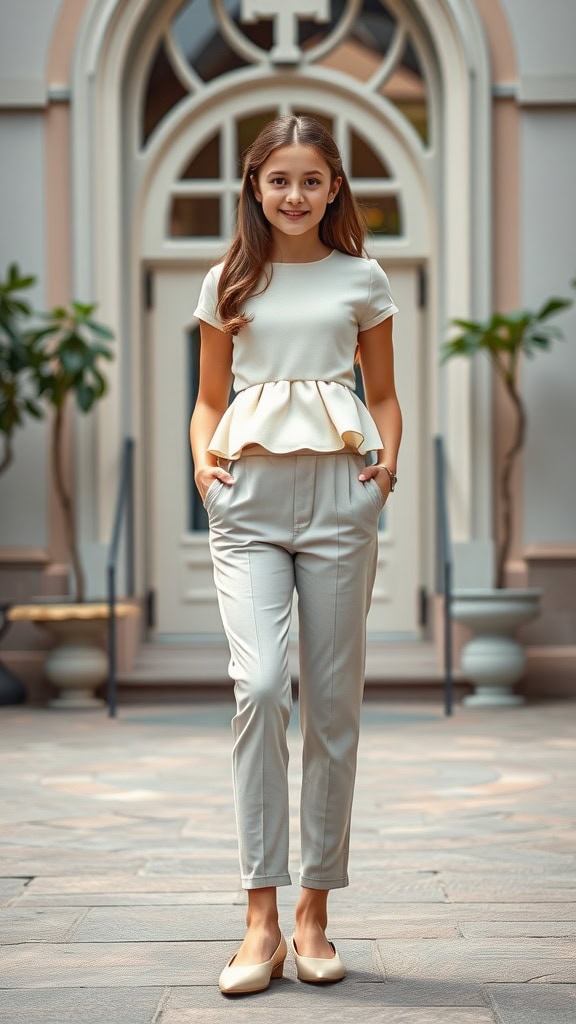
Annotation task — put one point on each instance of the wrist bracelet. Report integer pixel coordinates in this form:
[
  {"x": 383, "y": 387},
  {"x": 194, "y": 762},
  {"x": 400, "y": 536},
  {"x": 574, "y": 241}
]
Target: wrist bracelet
[{"x": 393, "y": 477}]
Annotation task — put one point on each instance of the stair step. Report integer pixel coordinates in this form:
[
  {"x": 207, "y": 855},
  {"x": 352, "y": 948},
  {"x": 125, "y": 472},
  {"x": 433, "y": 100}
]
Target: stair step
[{"x": 206, "y": 664}]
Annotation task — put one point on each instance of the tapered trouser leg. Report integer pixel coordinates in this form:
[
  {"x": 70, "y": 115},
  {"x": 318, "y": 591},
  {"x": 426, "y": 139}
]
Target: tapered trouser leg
[
  {"x": 334, "y": 579},
  {"x": 303, "y": 521}
]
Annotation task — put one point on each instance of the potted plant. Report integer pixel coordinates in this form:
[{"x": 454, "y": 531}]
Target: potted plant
[
  {"x": 493, "y": 659},
  {"x": 60, "y": 360},
  {"x": 17, "y": 360},
  {"x": 72, "y": 344},
  {"x": 17, "y": 403}
]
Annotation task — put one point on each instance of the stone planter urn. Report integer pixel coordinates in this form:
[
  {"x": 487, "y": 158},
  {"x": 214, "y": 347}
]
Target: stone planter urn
[
  {"x": 77, "y": 664},
  {"x": 493, "y": 659}
]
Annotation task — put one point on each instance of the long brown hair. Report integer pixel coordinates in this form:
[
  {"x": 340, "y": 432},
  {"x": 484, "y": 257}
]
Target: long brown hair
[{"x": 341, "y": 227}]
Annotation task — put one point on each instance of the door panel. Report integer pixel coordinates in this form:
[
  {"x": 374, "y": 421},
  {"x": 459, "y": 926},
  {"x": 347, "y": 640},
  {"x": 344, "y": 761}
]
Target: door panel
[
  {"x": 394, "y": 603},
  {"x": 180, "y": 565}
]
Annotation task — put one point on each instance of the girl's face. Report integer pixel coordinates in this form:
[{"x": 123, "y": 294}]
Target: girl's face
[{"x": 294, "y": 186}]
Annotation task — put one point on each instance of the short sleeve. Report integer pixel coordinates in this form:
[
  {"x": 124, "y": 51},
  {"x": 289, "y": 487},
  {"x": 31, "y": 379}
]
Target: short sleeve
[
  {"x": 208, "y": 300},
  {"x": 380, "y": 304}
]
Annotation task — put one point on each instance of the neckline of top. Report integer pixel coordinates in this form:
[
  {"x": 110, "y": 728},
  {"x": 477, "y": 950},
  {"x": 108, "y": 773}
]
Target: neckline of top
[{"x": 307, "y": 263}]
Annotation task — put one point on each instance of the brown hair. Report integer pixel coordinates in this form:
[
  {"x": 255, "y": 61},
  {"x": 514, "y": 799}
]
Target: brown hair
[{"x": 340, "y": 228}]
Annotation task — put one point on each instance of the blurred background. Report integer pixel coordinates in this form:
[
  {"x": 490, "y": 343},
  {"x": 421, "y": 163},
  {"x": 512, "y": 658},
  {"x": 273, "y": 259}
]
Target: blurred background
[{"x": 122, "y": 130}]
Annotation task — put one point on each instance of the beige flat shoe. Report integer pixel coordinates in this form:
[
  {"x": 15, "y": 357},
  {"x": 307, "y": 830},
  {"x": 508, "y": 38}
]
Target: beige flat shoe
[
  {"x": 311, "y": 968},
  {"x": 253, "y": 977}
]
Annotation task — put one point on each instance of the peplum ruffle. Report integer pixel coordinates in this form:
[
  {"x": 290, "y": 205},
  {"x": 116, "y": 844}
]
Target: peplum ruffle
[{"x": 285, "y": 416}]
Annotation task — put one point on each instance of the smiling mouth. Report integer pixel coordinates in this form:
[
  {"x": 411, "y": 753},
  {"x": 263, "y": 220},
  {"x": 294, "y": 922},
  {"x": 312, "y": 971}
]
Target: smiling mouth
[{"x": 294, "y": 214}]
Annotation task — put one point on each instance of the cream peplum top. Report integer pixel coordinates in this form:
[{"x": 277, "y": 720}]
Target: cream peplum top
[{"x": 293, "y": 365}]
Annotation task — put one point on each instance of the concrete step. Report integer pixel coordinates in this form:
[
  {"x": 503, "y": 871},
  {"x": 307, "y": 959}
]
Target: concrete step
[{"x": 203, "y": 666}]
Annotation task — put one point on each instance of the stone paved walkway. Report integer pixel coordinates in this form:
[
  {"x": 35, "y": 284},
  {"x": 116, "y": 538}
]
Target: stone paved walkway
[{"x": 119, "y": 891}]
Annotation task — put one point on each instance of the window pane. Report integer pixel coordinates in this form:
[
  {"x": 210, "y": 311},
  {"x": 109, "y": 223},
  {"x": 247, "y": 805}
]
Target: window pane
[
  {"x": 261, "y": 32},
  {"x": 361, "y": 53},
  {"x": 311, "y": 33},
  {"x": 196, "y": 518},
  {"x": 247, "y": 129},
  {"x": 206, "y": 162},
  {"x": 381, "y": 214},
  {"x": 365, "y": 163},
  {"x": 406, "y": 88},
  {"x": 198, "y": 36},
  {"x": 374, "y": 28},
  {"x": 195, "y": 217},
  {"x": 163, "y": 91}
]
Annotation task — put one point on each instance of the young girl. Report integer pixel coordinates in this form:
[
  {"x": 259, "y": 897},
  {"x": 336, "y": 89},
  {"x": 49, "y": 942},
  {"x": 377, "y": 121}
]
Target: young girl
[{"x": 292, "y": 504}]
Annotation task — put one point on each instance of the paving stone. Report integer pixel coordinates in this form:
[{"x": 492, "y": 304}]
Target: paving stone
[
  {"x": 539, "y": 1004},
  {"x": 462, "y": 861},
  {"x": 520, "y": 857},
  {"x": 8, "y": 886},
  {"x": 96, "y": 822},
  {"x": 331, "y": 1013},
  {"x": 11, "y": 888},
  {"x": 114, "y": 899},
  {"x": 192, "y": 865},
  {"x": 37, "y": 838},
  {"x": 38, "y": 965},
  {"x": 371, "y": 925},
  {"x": 21, "y": 924},
  {"x": 519, "y": 929},
  {"x": 288, "y": 992},
  {"x": 482, "y": 961},
  {"x": 163, "y": 924},
  {"x": 72, "y": 1005},
  {"x": 398, "y": 886},
  {"x": 525, "y": 888},
  {"x": 341, "y": 905},
  {"x": 127, "y": 883},
  {"x": 462, "y": 868},
  {"x": 62, "y": 862}
]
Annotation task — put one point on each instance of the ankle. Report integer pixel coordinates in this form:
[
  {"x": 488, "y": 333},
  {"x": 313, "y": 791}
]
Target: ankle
[
  {"x": 311, "y": 915},
  {"x": 262, "y": 910},
  {"x": 262, "y": 920},
  {"x": 262, "y": 924}
]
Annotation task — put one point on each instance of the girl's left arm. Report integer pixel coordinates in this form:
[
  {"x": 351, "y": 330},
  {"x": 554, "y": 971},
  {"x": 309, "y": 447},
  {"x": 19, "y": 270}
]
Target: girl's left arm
[{"x": 377, "y": 364}]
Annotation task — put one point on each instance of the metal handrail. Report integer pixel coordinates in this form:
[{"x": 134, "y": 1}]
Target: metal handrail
[
  {"x": 125, "y": 500},
  {"x": 444, "y": 565}
]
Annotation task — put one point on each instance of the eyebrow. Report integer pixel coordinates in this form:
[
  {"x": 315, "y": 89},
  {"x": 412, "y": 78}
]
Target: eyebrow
[{"x": 286, "y": 173}]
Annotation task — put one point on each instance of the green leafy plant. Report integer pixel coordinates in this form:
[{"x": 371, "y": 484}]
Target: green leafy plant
[
  {"x": 72, "y": 344},
  {"x": 45, "y": 365},
  {"x": 504, "y": 338},
  {"x": 18, "y": 360}
]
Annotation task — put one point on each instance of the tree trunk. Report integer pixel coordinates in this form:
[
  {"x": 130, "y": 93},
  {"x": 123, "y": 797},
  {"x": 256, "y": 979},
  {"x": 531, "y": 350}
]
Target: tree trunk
[
  {"x": 505, "y": 484},
  {"x": 8, "y": 453},
  {"x": 66, "y": 505}
]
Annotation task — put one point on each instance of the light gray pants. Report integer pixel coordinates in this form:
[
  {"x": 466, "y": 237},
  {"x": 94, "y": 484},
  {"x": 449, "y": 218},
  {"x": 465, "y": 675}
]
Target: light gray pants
[{"x": 302, "y": 521}]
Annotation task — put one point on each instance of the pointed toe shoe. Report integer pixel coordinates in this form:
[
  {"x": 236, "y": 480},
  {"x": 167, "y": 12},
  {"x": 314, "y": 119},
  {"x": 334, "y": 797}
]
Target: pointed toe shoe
[
  {"x": 311, "y": 968},
  {"x": 236, "y": 980}
]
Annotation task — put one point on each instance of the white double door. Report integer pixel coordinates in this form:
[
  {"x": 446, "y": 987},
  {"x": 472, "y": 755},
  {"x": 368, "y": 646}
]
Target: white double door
[{"x": 179, "y": 568}]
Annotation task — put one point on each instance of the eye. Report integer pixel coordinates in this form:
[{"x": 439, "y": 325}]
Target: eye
[
  {"x": 311, "y": 182},
  {"x": 278, "y": 181}
]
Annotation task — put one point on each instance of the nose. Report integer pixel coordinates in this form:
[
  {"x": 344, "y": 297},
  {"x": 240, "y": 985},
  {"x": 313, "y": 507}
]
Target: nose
[{"x": 294, "y": 194}]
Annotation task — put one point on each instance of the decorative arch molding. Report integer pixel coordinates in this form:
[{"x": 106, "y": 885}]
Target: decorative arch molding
[{"x": 107, "y": 46}]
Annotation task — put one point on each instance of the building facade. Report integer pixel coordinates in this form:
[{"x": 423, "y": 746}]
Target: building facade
[{"x": 122, "y": 126}]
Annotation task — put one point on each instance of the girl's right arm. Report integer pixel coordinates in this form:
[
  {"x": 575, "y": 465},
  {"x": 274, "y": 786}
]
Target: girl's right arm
[{"x": 211, "y": 404}]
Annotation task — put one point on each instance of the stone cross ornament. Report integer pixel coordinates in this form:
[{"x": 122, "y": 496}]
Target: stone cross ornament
[{"x": 285, "y": 14}]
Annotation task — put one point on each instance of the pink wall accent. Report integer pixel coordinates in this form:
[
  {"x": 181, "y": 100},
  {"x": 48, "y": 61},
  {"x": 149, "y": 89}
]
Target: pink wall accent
[
  {"x": 64, "y": 40},
  {"x": 59, "y": 244},
  {"x": 504, "y": 66},
  {"x": 506, "y": 290},
  {"x": 506, "y": 241}
]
